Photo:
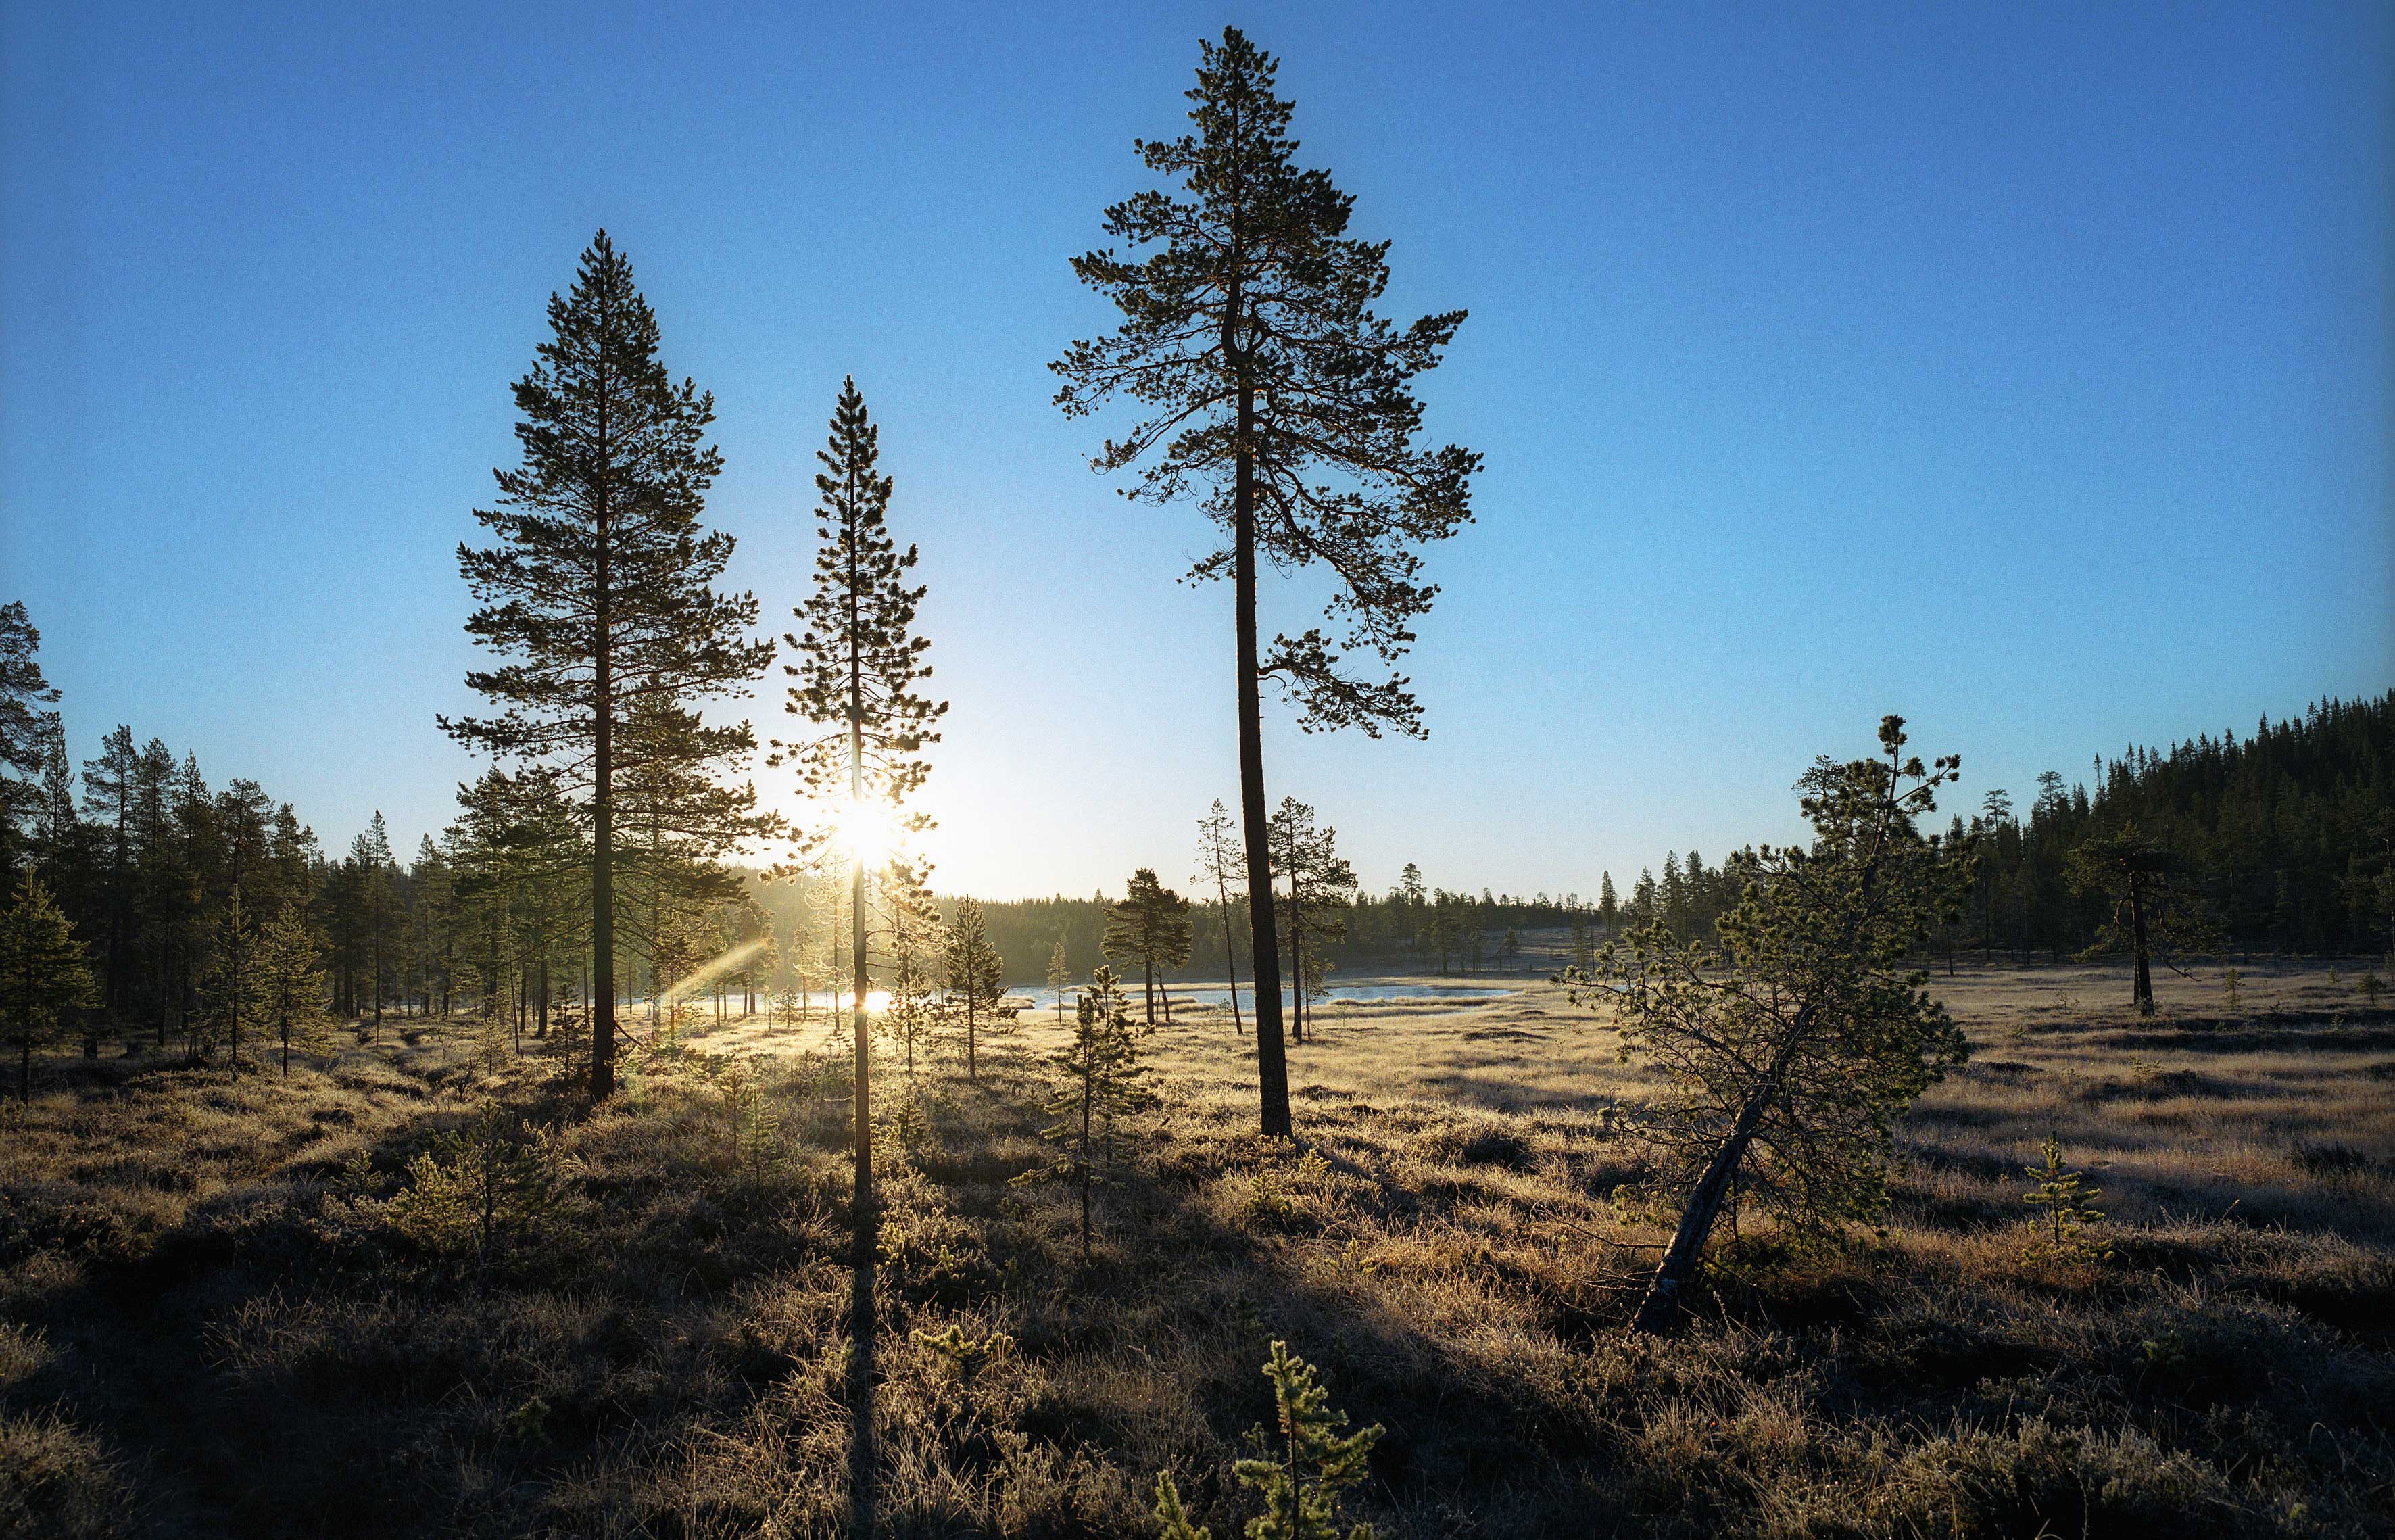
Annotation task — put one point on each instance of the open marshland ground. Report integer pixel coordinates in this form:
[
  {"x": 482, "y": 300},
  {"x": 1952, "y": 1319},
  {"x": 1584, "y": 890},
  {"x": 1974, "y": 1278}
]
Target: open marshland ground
[{"x": 216, "y": 1317}]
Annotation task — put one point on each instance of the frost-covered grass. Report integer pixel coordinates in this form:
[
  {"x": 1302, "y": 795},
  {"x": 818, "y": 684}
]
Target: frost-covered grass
[{"x": 207, "y": 1326}]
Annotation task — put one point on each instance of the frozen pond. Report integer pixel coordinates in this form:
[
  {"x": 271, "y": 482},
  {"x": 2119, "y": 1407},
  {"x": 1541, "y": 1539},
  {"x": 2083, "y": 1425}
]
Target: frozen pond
[{"x": 1360, "y": 994}]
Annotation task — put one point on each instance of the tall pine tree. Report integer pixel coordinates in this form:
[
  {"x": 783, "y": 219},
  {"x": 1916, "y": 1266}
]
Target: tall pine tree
[
  {"x": 1274, "y": 394},
  {"x": 600, "y": 591}
]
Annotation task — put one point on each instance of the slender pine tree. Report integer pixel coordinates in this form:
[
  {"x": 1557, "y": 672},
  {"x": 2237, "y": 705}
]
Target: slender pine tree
[
  {"x": 1220, "y": 861},
  {"x": 1274, "y": 394},
  {"x": 289, "y": 987},
  {"x": 859, "y": 667},
  {"x": 972, "y": 974}
]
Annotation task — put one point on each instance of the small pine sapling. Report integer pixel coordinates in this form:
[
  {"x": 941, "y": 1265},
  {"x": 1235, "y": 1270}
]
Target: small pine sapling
[
  {"x": 1103, "y": 1082},
  {"x": 571, "y": 1024},
  {"x": 1301, "y": 1467},
  {"x": 470, "y": 1186},
  {"x": 2372, "y": 986},
  {"x": 2230, "y": 983},
  {"x": 756, "y": 1128},
  {"x": 964, "y": 1355},
  {"x": 2070, "y": 1207}
]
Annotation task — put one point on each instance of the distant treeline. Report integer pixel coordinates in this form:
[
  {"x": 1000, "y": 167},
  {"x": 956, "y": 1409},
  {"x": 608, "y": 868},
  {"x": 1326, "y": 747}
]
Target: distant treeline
[{"x": 2281, "y": 838}]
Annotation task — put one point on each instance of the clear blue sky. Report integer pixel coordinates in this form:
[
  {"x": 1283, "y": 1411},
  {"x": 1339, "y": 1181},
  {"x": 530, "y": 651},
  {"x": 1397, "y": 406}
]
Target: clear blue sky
[{"x": 2025, "y": 369}]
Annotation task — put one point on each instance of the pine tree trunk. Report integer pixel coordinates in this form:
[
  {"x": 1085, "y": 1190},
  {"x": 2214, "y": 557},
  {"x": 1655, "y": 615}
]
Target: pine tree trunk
[
  {"x": 1659, "y": 1312},
  {"x": 2142, "y": 991},
  {"x": 1272, "y": 1063},
  {"x": 1230, "y": 955},
  {"x": 602, "y": 783},
  {"x": 862, "y": 1098},
  {"x": 602, "y": 908}
]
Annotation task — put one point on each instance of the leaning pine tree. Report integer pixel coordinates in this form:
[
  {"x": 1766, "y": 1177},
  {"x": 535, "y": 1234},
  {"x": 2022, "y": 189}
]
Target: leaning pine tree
[
  {"x": 859, "y": 665},
  {"x": 1277, "y": 397},
  {"x": 600, "y": 591},
  {"x": 1789, "y": 1047}
]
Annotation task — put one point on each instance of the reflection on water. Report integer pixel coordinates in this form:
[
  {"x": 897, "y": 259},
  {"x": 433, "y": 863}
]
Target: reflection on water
[
  {"x": 876, "y": 1001},
  {"x": 1219, "y": 994}
]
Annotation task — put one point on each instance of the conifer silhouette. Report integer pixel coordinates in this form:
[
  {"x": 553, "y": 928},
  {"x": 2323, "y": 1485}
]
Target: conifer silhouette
[
  {"x": 1150, "y": 926},
  {"x": 44, "y": 979},
  {"x": 855, "y": 682},
  {"x": 1220, "y": 861},
  {"x": 600, "y": 591}
]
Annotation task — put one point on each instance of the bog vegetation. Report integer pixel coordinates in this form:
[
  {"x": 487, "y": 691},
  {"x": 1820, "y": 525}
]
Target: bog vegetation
[{"x": 630, "y": 1160}]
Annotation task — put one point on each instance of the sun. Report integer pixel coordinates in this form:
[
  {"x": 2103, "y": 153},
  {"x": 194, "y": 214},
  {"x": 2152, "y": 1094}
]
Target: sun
[{"x": 868, "y": 833}]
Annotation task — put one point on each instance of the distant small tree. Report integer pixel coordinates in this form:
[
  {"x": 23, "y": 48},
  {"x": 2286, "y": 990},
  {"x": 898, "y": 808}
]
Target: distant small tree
[
  {"x": 1321, "y": 885},
  {"x": 2150, "y": 912},
  {"x": 972, "y": 974},
  {"x": 1791, "y": 1046},
  {"x": 1509, "y": 950},
  {"x": 1150, "y": 926},
  {"x": 2231, "y": 983},
  {"x": 290, "y": 987},
  {"x": 1104, "y": 1081},
  {"x": 916, "y": 1019},
  {"x": 1060, "y": 973},
  {"x": 231, "y": 982},
  {"x": 1221, "y": 861},
  {"x": 45, "y": 976}
]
